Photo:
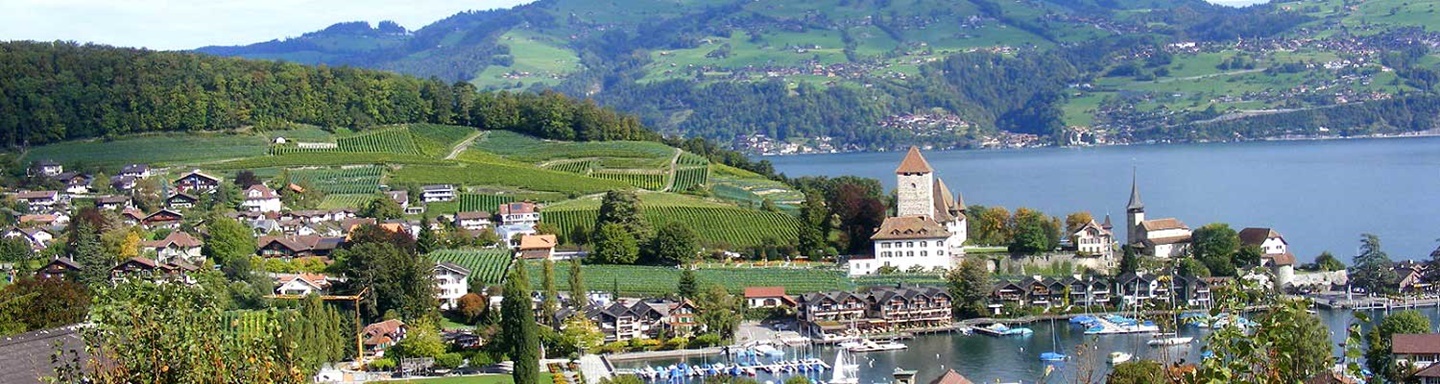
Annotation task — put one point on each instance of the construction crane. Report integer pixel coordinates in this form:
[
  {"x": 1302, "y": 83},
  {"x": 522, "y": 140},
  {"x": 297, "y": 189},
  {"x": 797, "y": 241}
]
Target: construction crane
[{"x": 359, "y": 329}]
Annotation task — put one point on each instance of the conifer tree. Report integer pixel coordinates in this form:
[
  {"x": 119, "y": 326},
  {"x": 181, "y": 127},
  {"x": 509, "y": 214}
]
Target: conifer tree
[
  {"x": 577, "y": 286},
  {"x": 518, "y": 329},
  {"x": 550, "y": 304}
]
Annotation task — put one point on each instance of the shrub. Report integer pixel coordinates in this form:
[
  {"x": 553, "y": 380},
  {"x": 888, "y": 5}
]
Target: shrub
[
  {"x": 705, "y": 340},
  {"x": 382, "y": 365},
  {"x": 450, "y": 360},
  {"x": 676, "y": 343},
  {"x": 614, "y": 347}
]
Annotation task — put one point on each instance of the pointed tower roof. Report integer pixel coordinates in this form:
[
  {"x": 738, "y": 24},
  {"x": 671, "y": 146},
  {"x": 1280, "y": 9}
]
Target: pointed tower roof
[
  {"x": 944, "y": 206},
  {"x": 1134, "y": 193},
  {"x": 914, "y": 163},
  {"x": 1107, "y": 225}
]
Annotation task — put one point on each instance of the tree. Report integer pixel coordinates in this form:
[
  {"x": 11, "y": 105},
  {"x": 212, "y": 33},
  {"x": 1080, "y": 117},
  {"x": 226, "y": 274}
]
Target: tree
[
  {"x": 623, "y": 208},
  {"x": 382, "y": 208},
  {"x": 550, "y": 304},
  {"x": 229, "y": 240},
  {"x": 520, "y": 336},
  {"x": 1248, "y": 256},
  {"x": 989, "y": 225},
  {"x": 970, "y": 285},
  {"x": 1328, "y": 262},
  {"x": 318, "y": 334},
  {"x": 582, "y": 334},
  {"x": 1192, "y": 268},
  {"x": 15, "y": 250},
  {"x": 719, "y": 311},
  {"x": 398, "y": 280},
  {"x": 425, "y": 241},
  {"x": 860, "y": 211},
  {"x": 1137, "y": 372},
  {"x": 1074, "y": 221},
  {"x": 470, "y": 307},
  {"x": 1034, "y": 232},
  {"x": 687, "y": 287},
  {"x": 90, "y": 254},
  {"x": 814, "y": 224},
  {"x": 1372, "y": 268},
  {"x": 675, "y": 244},
  {"x": 577, "y": 286},
  {"x": 797, "y": 380},
  {"x": 614, "y": 245},
  {"x": 1215, "y": 245},
  {"x": 1378, "y": 358},
  {"x": 1299, "y": 343},
  {"x": 421, "y": 340},
  {"x": 579, "y": 234},
  {"x": 1129, "y": 261},
  {"x": 245, "y": 178},
  {"x": 35, "y": 303}
]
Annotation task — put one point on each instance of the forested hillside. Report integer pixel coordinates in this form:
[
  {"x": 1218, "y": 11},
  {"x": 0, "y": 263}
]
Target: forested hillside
[{"x": 873, "y": 74}]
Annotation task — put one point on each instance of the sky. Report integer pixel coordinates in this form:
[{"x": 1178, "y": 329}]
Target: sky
[{"x": 189, "y": 24}]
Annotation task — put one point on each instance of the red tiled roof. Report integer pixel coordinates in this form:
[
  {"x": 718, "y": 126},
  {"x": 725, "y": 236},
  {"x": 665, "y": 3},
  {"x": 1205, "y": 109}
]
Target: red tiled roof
[
  {"x": 178, "y": 238},
  {"x": 1163, "y": 224},
  {"x": 909, "y": 227},
  {"x": 517, "y": 208},
  {"x": 1415, "y": 344},
  {"x": 951, "y": 377},
  {"x": 264, "y": 191},
  {"x": 1286, "y": 258},
  {"x": 532, "y": 242},
  {"x": 914, "y": 163},
  {"x": 1257, "y": 236},
  {"x": 758, "y": 292},
  {"x": 1432, "y": 371},
  {"x": 28, "y": 195}
]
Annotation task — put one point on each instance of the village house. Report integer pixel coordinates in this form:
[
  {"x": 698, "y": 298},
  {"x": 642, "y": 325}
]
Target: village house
[
  {"x": 910, "y": 307},
  {"x": 181, "y": 200},
  {"x": 301, "y": 284},
  {"x": 113, "y": 203},
  {"x": 382, "y": 335},
  {"x": 1411, "y": 276},
  {"x": 928, "y": 231},
  {"x": 1420, "y": 351},
  {"x": 163, "y": 218},
  {"x": 131, "y": 216},
  {"x": 475, "y": 220},
  {"x": 36, "y": 237},
  {"x": 536, "y": 247},
  {"x": 950, "y": 377},
  {"x": 134, "y": 267},
  {"x": 177, "y": 246},
  {"x": 60, "y": 268},
  {"x": 1275, "y": 253},
  {"x": 1135, "y": 288},
  {"x": 1163, "y": 238},
  {"x": 289, "y": 247},
  {"x": 260, "y": 198},
  {"x": 45, "y": 168},
  {"x": 519, "y": 213},
  {"x": 451, "y": 282},
  {"x": 768, "y": 297},
  {"x": 46, "y": 220},
  {"x": 651, "y": 318},
  {"x": 122, "y": 183},
  {"x": 1094, "y": 239},
  {"x": 196, "y": 181},
  {"x": 75, "y": 182},
  {"x": 511, "y": 234},
  {"x": 138, "y": 171},
  {"x": 438, "y": 192},
  {"x": 38, "y": 201}
]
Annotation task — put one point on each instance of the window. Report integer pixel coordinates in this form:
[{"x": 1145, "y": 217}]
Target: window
[
  {"x": 922, "y": 244},
  {"x": 910, "y": 244},
  {"x": 939, "y": 253},
  {"x": 924, "y": 253},
  {"x": 884, "y": 244},
  {"x": 940, "y": 244},
  {"x": 910, "y": 253}
]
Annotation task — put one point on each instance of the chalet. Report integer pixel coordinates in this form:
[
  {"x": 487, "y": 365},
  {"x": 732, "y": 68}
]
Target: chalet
[
  {"x": 1411, "y": 276},
  {"x": 45, "y": 168},
  {"x": 196, "y": 181},
  {"x": 135, "y": 267},
  {"x": 38, "y": 201},
  {"x": 1134, "y": 288},
  {"x": 131, "y": 216},
  {"x": 1420, "y": 351},
  {"x": 138, "y": 171},
  {"x": 60, "y": 267},
  {"x": 176, "y": 246},
  {"x": 259, "y": 198},
  {"x": 438, "y": 192},
  {"x": 824, "y": 312},
  {"x": 1093, "y": 239},
  {"x": 301, "y": 284},
  {"x": 622, "y": 321},
  {"x": 48, "y": 220},
  {"x": 534, "y": 247},
  {"x": 122, "y": 183},
  {"x": 163, "y": 218},
  {"x": 401, "y": 197},
  {"x": 909, "y": 307},
  {"x": 75, "y": 182},
  {"x": 113, "y": 203},
  {"x": 1008, "y": 292},
  {"x": 519, "y": 213},
  {"x": 38, "y": 238},
  {"x": 382, "y": 335},
  {"x": 1275, "y": 252},
  {"x": 289, "y": 247},
  {"x": 451, "y": 282},
  {"x": 1429, "y": 375},
  {"x": 475, "y": 220},
  {"x": 768, "y": 297},
  {"x": 1195, "y": 291},
  {"x": 181, "y": 200},
  {"x": 951, "y": 377}
]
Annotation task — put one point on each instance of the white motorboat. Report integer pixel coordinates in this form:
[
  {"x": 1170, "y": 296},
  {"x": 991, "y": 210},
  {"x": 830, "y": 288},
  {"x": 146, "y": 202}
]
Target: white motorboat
[
  {"x": 1169, "y": 341},
  {"x": 1118, "y": 357},
  {"x": 872, "y": 346}
]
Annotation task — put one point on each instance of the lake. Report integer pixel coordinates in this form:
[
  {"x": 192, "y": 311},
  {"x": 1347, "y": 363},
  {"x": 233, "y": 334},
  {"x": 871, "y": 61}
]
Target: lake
[
  {"x": 1320, "y": 194},
  {"x": 985, "y": 359}
]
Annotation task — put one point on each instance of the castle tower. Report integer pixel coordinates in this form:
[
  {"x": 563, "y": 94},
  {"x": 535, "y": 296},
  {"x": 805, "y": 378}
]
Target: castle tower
[
  {"x": 1134, "y": 213},
  {"x": 914, "y": 186}
]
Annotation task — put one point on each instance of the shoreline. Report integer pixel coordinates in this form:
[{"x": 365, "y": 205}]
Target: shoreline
[{"x": 1407, "y": 135}]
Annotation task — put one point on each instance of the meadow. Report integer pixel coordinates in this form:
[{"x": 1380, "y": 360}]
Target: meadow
[
  {"x": 715, "y": 225},
  {"x": 159, "y": 149}
]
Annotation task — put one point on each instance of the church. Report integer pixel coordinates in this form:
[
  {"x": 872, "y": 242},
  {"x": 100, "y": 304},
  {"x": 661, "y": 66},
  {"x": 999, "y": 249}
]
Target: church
[
  {"x": 1164, "y": 238},
  {"x": 928, "y": 230}
]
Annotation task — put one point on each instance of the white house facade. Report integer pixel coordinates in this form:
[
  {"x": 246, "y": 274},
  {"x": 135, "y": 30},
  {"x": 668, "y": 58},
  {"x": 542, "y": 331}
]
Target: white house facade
[
  {"x": 1163, "y": 238},
  {"x": 928, "y": 231},
  {"x": 259, "y": 198},
  {"x": 434, "y": 193},
  {"x": 451, "y": 282}
]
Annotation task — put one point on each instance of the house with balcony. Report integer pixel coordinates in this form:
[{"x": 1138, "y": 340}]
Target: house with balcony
[
  {"x": 451, "y": 282},
  {"x": 195, "y": 182},
  {"x": 651, "y": 318},
  {"x": 910, "y": 307},
  {"x": 437, "y": 192},
  {"x": 823, "y": 314},
  {"x": 1418, "y": 351},
  {"x": 519, "y": 213},
  {"x": 301, "y": 284}
]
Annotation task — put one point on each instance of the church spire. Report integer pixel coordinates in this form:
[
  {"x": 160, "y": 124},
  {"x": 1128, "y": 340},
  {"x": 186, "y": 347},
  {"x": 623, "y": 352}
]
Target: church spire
[
  {"x": 1135, "y": 203},
  {"x": 914, "y": 163}
]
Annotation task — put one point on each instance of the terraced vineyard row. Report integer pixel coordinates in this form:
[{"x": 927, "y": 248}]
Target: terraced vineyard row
[
  {"x": 653, "y": 182},
  {"x": 580, "y": 167},
  {"x": 659, "y": 281},
  {"x": 690, "y": 177},
  {"x": 338, "y": 201},
  {"x": 389, "y": 140},
  {"x": 289, "y": 149},
  {"x": 716, "y": 225},
  {"x": 485, "y": 265},
  {"x": 489, "y": 203},
  {"x": 355, "y": 180},
  {"x": 688, "y": 158}
]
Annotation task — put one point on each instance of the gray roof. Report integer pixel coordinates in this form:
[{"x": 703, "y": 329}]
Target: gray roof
[
  {"x": 1134, "y": 194},
  {"x": 27, "y": 355}
]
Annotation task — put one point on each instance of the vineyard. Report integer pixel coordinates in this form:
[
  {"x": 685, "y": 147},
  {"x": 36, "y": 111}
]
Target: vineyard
[
  {"x": 436, "y": 140},
  {"x": 354, "y": 180},
  {"x": 715, "y": 225},
  {"x": 486, "y": 266},
  {"x": 650, "y": 181},
  {"x": 488, "y": 203},
  {"x": 909, "y": 279},
  {"x": 387, "y": 140},
  {"x": 659, "y": 281},
  {"x": 519, "y": 147},
  {"x": 339, "y": 201},
  {"x": 320, "y": 159},
  {"x": 688, "y": 158},
  {"x": 688, "y": 177},
  {"x": 153, "y": 149},
  {"x": 580, "y": 167},
  {"x": 530, "y": 178}
]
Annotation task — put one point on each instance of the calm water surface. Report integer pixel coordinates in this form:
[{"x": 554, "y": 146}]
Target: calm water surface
[
  {"x": 1320, "y": 194},
  {"x": 1014, "y": 359}
]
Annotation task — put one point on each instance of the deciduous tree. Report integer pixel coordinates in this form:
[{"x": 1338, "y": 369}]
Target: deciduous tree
[
  {"x": 687, "y": 288},
  {"x": 614, "y": 245},
  {"x": 1215, "y": 245},
  {"x": 719, "y": 311},
  {"x": 1378, "y": 357},
  {"x": 969, "y": 285},
  {"x": 675, "y": 244}
]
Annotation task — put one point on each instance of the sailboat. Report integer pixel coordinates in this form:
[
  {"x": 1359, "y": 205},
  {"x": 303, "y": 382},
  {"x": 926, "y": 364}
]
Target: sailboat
[
  {"x": 1165, "y": 339},
  {"x": 846, "y": 370},
  {"x": 1055, "y": 345}
]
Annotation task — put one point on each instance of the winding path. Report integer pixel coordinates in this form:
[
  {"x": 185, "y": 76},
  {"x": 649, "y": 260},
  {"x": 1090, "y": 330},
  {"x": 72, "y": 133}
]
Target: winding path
[
  {"x": 462, "y": 145},
  {"x": 670, "y": 180}
]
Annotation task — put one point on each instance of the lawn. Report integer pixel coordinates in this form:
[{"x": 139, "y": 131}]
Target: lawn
[{"x": 160, "y": 149}]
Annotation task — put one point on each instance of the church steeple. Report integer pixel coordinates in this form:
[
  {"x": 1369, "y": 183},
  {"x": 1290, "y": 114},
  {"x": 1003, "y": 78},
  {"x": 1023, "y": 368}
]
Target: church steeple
[{"x": 1135, "y": 204}]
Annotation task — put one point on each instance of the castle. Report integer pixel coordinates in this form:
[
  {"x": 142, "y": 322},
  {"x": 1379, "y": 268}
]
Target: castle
[{"x": 928, "y": 230}]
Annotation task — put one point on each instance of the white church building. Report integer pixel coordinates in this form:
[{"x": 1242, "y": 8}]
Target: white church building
[
  {"x": 928, "y": 230},
  {"x": 1164, "y": 238}
]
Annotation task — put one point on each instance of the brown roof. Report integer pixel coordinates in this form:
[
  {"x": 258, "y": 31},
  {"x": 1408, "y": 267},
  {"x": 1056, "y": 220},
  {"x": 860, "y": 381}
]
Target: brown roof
[
  {"x": 265, "y": 192},
  {"x": 534, "y": 254},
  {"x": 29, "y": 195},
  {"x": 951, "y": 377},
  {"x": 1415, "y": 344},
  {"x": 384, "y": 328},
  {"x": 754, "y": 292},
  {"x": 1169, "y": 240},
  {"x": 517, "y": 208},
  {"x": 945, "y": 209},
  {"x": 472, "y": 215},
  {"x": 1257, "y": 236},
  {"x": 177, "y": 238},
  {"x": 1286, "y": 258},
  {"x": 914, "y": 163},
  {"x": 1432, "y": 371},
  {"x": 909, "y": 227},
  {"x": 530, "y": 242},
  {"x": 314, "y": 279},
  {"x": 46, "y": 218},
  {"x": 112, "y": 199},
  {"x": 1163, "y": 224},
  {"x": 1332, "y": 377}
]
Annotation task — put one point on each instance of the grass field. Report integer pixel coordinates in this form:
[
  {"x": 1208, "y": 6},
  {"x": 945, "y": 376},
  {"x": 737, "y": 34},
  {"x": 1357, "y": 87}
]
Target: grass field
[
  {"x": 166, "y": 149},
  {"x": 716, "y": 225},
  {"x": 486, "y": 265},
  {"x": 347, "y": 201},
  {"x": 656, "y": 280},
  {"x": 528, "y": 149},
  {"x": 436, "y": 140}
]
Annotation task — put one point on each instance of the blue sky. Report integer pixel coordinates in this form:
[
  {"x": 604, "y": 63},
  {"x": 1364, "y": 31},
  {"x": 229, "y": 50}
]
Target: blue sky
[{"x": 187, "y": 24}]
